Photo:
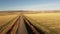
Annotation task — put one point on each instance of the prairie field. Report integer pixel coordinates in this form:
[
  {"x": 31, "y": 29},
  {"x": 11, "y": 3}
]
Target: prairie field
[
  {"x": 29, "y": 23},
  {"x": 47, "y": 22},
  {"x": 7, "y": 20},
  {"x": 4, "y": 19}
]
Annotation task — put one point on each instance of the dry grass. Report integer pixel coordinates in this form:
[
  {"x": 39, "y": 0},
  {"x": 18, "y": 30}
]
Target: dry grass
[
  {"x": 49, "y": 21},
  {"x": 5, "y": 19}
]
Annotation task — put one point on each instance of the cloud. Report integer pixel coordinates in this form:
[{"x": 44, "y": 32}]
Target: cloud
[{"x": 48, "y": 6}]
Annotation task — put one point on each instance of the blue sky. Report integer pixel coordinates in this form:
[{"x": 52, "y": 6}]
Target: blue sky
[{"x": 29, "y": 4}]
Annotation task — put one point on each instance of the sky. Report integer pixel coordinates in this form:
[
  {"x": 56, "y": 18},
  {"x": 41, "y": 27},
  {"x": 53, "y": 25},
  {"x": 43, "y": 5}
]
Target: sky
[{"x": 29, "y": 4}]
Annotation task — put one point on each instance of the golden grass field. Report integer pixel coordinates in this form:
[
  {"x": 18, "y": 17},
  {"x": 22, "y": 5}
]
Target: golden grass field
[
  {"x": 6, "y": 22},
  {"x": 48, "y": 22},
  {"x": 4, "y": 19}
]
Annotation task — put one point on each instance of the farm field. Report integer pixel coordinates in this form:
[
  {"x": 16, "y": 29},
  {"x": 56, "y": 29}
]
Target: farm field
[{"x": 49, "y": 23}]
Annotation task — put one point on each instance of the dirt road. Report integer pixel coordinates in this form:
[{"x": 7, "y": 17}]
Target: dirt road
[{"x": 22, "y": 29}]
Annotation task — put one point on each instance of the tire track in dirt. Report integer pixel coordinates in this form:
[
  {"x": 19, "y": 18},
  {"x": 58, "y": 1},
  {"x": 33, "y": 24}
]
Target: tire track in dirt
[
  {"x": 33, "y": 28},
  {"x": 9, "y": 31},
  {"x": 22, "y": 29},
  {"x": 25, "y": 27}
]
